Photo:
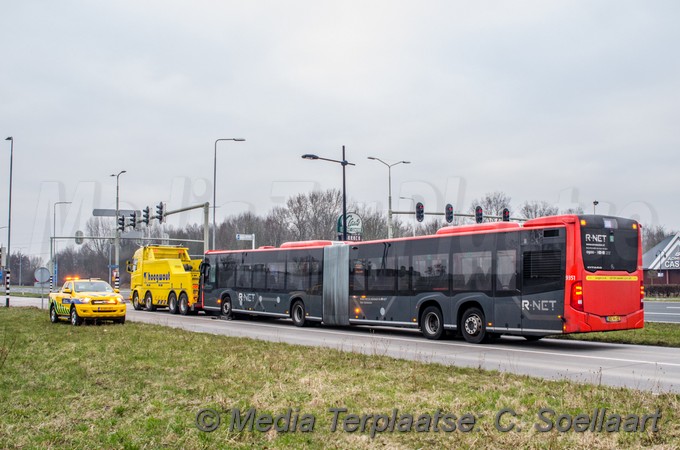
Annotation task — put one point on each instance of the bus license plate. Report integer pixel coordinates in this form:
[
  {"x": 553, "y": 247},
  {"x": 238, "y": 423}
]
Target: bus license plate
[{"x": 613, "y": 318}]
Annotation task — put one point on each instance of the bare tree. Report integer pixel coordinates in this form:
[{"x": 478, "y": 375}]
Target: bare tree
[
  {"x": 492, "y": 203},
  {"x": 533, "y": 209},
  {"x": 652, "y": 235}
]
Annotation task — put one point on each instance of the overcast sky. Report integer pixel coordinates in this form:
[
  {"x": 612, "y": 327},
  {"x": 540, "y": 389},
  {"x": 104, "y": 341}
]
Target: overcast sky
[{"x": 562, "y": 101}]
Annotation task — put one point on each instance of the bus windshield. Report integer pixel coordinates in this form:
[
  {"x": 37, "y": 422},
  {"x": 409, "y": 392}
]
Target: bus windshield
[{"x": 609, "y": 244}]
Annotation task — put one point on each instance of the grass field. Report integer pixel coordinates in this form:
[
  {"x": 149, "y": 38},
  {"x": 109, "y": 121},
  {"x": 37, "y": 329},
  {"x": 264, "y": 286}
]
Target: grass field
[
  {"x": 661, "y": 334},
  {"x": 141, "y": 386}
]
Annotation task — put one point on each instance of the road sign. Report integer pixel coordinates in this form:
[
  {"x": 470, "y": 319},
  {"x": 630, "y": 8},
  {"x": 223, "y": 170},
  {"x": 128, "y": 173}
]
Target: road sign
[
  {"x": 112, "y": 212},
  {"x": 42, "y": 275},
  {"x": 245, "y": 237}
]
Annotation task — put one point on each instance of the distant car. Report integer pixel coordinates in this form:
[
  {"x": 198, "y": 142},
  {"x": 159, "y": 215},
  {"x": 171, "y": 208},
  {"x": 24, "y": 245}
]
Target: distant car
[{"x": 80, "y": 300}]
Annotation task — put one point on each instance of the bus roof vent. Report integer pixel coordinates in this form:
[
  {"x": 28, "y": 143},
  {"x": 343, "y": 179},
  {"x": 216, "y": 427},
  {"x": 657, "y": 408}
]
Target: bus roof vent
[
  {"x": 304, "y": 244},
  {"x": 478, "y": 227}
]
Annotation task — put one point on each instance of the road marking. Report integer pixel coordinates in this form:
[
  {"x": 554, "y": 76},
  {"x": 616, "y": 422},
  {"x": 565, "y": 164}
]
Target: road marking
[{"x": 661, "y": 314}]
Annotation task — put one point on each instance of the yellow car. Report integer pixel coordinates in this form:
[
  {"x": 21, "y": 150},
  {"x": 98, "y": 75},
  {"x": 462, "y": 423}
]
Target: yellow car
[{"x": 92, "y": 298}]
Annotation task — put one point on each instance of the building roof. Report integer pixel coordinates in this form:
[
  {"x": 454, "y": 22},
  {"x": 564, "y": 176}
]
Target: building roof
[{"x": 664, "y": 255}]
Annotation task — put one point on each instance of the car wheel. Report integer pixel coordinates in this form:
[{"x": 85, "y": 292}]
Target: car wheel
[
  {"x": 473, "y": 326},
  {"x": 148, "y": 302},
  {"x": 172, "y": 303},
  {"x": 432, "y": 323},
  {"x": 183, "y": 304},
  {"x": 53, "y": 315},
  {"x": 121, "y": 320},
  {"x": 135, "y": 301},
  {"x": 297, "y": 313},
  {"x": 76, "y": 320}
]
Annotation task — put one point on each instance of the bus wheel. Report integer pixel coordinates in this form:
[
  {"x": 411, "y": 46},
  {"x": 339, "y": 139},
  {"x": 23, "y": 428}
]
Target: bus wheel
[
  {"x": 53, "y": 315},
  {"x": 297, "y": 313},
  {"x": 148, "y": 301},
  {"x": 135, "y": 301},
  {"x": 172, "y": 303},
  {"x": 432, "y": 323},
  {"x": 183, "y": 304},
  {"x": 226, "y": 308},
  {"x": 473, "y": 327}
]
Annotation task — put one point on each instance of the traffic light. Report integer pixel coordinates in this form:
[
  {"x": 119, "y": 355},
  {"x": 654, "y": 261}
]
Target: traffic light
[
  {"x": 506, "y": 215},
  {"x": 479, "y": 214},
  {"x": 159, "y": 212},
  {"x": 121, "y": 223},
  {"x": 145, "y": 215},
  {"x": 448, "y": 212},
  {"x": 133, "y": 219},
  {"x": 420, "y": 212}
]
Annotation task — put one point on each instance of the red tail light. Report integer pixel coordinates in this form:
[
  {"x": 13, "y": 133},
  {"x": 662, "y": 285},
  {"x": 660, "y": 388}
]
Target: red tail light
[
  {"x": 642, "y": 295},
  {"x": 577, "y": 296}
]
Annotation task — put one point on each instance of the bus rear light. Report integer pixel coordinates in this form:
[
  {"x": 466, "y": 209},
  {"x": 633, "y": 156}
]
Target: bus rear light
[
  {"x": 577, "y": 296},
  {"x": 642, "y": 295}
]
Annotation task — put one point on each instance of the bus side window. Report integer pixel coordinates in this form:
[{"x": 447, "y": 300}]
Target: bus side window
[{"x": 506, "y": 277}]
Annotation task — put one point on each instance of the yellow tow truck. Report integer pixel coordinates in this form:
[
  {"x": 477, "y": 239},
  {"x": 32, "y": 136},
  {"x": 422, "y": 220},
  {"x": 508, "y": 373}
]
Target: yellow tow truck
[{"x": 164, "y": 276}]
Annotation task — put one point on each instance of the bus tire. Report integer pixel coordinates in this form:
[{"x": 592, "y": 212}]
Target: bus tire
[
  {"x": 135, "y": 301},
  {"x": 226, "y": 308},
  {"x": 432, "y": 323},
  {"x": 473, "y": 326},
  {"x": 172, "y": 303},
  {"x": 148, "y": 302},
  {"x": 183, "y": 304},
  {"x": 298, "y": 314}
]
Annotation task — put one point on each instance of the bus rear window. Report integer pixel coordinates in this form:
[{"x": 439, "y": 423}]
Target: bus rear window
[{"x": 609, "y": 247}]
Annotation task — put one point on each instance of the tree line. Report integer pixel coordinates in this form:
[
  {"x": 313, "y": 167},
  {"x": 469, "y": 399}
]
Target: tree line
[{"x": 306, "y": 216}]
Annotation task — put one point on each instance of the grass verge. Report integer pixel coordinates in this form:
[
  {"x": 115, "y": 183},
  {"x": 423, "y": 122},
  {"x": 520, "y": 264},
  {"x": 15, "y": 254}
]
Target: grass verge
[
  {"x": 654, "y": 333},
  {"x": 141, "y": 386}
]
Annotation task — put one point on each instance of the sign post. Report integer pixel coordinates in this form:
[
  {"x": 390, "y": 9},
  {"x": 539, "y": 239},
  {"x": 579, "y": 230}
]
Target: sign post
[{"x": 355, "y": 227}]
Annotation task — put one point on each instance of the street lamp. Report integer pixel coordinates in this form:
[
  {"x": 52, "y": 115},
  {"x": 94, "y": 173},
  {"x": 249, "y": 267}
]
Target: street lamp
[
  {"x": 344, "y": 163},
  {"x": 595, "y": 203},
  {"x": 117, "y": 239},
  {"x": 413, "y": 208},
  {"x": 9, "y": 217},
  {"x": 53, "y": 247},
  {"x": 215, "y": 185},
  {"x": 389, "y": 189}
]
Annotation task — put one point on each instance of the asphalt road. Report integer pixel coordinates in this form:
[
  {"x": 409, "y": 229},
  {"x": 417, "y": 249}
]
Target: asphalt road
[
  {"x": 662, "y": 312},
  {"x": 655, "y": 369}
]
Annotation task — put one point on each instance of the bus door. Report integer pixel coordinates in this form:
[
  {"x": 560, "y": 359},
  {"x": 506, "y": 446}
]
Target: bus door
[
  {"x": 543, "y": 262},
  {"x": 507, "y": 296}
]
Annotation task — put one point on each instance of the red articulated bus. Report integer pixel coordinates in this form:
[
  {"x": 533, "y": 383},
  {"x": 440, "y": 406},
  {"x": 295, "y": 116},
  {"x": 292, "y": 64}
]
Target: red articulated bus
[{"x": 548, "y": 276}]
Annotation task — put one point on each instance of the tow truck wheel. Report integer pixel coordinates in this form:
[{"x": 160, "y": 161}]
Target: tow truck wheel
[
  {"x": 76, "y": 320},
  {"x": 183, "y": 304},
  {"x": 172, "y": 303},
  {"x": 53, "y": 315},
  {"x": 135, "y": 301},
  {"x": 148, "y": 301}
]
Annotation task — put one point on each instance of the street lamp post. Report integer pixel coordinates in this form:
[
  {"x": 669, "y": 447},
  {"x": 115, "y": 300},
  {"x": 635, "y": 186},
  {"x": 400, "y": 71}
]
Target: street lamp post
[
  {"x": 344, "y": 163},
  {"x": 53, "y": 247},
  {"x": 595, "y": 203},
  {"x": 117, "y": 235},
  {"x": 389, "y": 189},
  {"x": 215, "y": 185},
  {"x": 9, "y": 217}
]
